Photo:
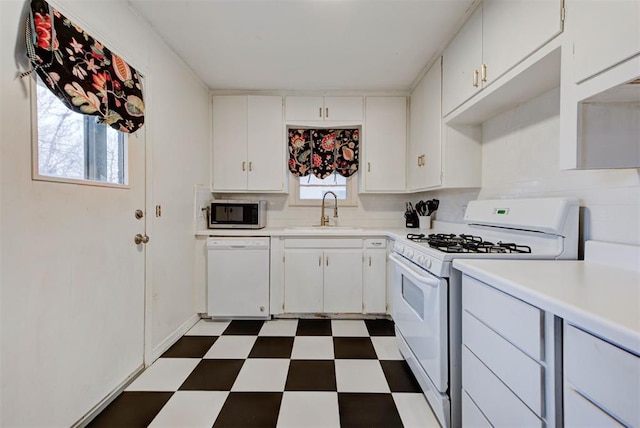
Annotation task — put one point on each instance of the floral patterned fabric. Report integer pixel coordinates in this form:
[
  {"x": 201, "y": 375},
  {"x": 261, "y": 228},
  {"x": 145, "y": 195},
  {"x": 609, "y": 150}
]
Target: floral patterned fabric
[
  {"x": 323, "y": 151},
  {"x": 86, "y": 76}
]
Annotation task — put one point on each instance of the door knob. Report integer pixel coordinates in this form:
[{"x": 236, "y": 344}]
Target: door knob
[{"x": 140, "y": 239}]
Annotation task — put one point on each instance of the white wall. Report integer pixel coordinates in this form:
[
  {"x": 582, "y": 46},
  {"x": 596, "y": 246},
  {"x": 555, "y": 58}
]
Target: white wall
[
  {"x": 520, "y": 155},
  {"x": 57, "y": 352}
]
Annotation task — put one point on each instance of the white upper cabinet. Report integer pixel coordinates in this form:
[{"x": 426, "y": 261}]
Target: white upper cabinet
[
  {"x": 599, "y": 101},
  {"x": 460, "y": 64},
  {"x": 385, "y": 138},
  {"x": 498, "y": 36},
  {"x": 248, "y": 144},
  {"x": 603, "y": 33},
  {"x": 313, "y": 109},
  {"x": 514, "y": 29},
  {"x": 229, "y": 142},
  {"x": 424, "y": 162}
]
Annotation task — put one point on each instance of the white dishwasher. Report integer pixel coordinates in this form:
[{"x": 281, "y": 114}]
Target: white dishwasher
[{"x": 238, "y": 277}]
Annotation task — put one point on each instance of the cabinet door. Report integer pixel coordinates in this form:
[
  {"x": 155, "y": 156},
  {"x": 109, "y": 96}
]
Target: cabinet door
[
  {"x": 304, "y": 108},
  {"x": 460, "y": 59},
  {"x": 343, "y": 108},
  {"x": 374, "y": 282},
  {"x": 266, "y": 144},
  {"x": 432, "y": 155},
  {"x": 514, "y": 29},
  {"x": 385, "y": 144},
  {"x": 417, "y": 135},
  {"x": 343, "y": 281},
  {"x": 303, "y": 281},
  {"x": 230, "y": 143},
  {"x": 604, "y": 33}
]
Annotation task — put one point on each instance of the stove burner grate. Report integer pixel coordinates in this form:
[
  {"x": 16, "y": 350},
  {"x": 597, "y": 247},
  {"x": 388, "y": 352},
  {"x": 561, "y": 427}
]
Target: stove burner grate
[{"x": 450, "y": 243}]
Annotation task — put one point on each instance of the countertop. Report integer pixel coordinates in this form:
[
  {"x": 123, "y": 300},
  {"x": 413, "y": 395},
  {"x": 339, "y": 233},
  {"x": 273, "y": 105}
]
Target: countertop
[
  {"x": 394, "y": 233},
  {"x": 601, "y": 299}
]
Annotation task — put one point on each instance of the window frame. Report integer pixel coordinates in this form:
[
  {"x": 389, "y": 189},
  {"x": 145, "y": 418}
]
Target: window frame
[
  {"x": 35, "y": 152},
  {"x": 294, "y": 194}
]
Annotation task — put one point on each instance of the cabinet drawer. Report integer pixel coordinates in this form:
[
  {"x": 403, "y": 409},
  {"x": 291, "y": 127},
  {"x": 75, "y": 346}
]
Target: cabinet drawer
[
  {"x": 517, "y": 321},
  {"x": 500, "y": 406},
  {"x": 580, "y": 412},
  {"x": 522, "y": 374},
  {"x": 320, "y": 243},
  {"x": 471, "y": 415},
  {"x": 602, "y": 372},
  {"x": 375, "y": 243}
]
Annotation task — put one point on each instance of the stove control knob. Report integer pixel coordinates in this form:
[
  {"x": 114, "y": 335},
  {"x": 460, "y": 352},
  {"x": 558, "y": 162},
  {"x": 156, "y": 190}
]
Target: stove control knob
[
  {"x": 427, "y": 262},
  {"x": 409, "y": 253}
]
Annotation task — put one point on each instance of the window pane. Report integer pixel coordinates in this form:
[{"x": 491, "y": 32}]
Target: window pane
[
  {"x": 312, "y": 187},
  {"x": 72, "y": 145}
]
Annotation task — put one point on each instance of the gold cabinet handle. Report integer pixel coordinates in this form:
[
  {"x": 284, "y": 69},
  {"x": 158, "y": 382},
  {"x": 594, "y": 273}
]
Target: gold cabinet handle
[
  {"x": 320, "y": 112},
  {"x": 327, "y": 260},
  {"x": 369, "y": 261},
  {"x": 250, "y": 166},
  {"x": 368, "y": 166},
  {"x": 244, "y": 165},
  {"x": 475, "y": 78},
  {"x": 484, "y": 72},
  {"x": 320, "y": 261},
  {"x": 419, "y": 157},
  {"x": 424, "y": 157},
  {"x": 326, "y": 112}
]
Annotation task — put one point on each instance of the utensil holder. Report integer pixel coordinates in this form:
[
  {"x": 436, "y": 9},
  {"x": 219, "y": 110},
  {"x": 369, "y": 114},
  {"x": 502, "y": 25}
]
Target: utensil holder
[{"x": 424, "y": 222}]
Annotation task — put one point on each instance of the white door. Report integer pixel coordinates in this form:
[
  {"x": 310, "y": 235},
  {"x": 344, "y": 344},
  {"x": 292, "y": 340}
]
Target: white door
[
  {"x": 432, "y": 159},
  {"x": 386, "y": 144},
  {"x": 343, "y": 281},
  {"x": 266, "y": 144},
  {"x": 460, "y": 59},
  {"x": 374, "y": 287},
  {"x": 420, "y": 313},
  {"x": 304, "y": 108},
  {"x": 343, "y": 108},
  {"x": 230, "y": 142},
  {"x": 303, "y": 278},
  {"x": 604, "y": 33},
  {"x": 514, "y": 29}
]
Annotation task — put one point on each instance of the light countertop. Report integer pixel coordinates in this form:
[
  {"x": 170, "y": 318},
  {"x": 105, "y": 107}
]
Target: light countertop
[
  {"x": 601, "y": 299},
  {"x": 393, "y": 233}
]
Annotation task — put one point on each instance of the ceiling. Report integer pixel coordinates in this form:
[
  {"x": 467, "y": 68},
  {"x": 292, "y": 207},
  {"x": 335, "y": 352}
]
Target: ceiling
[{"x": 306, "y": 45}]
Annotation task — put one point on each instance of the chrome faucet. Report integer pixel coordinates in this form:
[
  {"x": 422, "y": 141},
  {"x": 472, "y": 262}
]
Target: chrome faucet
[{"x": 324, "y": 219}]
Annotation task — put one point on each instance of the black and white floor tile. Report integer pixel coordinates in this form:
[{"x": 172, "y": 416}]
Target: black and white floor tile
[{"x": 280, "y": 373}]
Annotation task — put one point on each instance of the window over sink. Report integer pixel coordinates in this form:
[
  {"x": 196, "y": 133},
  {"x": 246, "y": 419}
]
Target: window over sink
[{"x": 308, "y": 191}]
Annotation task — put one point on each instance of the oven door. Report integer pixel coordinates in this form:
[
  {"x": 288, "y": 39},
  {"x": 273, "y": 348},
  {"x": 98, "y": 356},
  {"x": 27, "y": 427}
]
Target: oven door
[{"x": 420, "y": 315}]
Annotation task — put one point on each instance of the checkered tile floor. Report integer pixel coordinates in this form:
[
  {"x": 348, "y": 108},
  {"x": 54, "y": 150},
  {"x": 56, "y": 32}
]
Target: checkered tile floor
[{"x": 280, "y": 373}]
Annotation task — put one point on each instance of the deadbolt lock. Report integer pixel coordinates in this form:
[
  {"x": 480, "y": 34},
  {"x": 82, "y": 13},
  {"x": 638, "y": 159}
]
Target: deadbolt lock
[{"x": 139, "y": 214}]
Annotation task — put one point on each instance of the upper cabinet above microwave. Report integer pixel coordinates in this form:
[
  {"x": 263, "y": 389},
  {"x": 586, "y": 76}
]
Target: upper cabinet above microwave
[
  {"x": 600, "y": 85},
  {"x": 314, "y": 109},
  {"x": 248, "y": 144},
  {"x": 498, "y": 36}
]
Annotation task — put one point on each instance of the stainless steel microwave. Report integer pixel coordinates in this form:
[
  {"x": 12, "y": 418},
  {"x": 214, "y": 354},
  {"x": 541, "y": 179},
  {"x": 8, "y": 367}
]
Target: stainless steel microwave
[{"x": 237, "y": 214}]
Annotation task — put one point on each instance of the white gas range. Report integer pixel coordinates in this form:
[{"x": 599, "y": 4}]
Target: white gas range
[{"x": 427, "y": 291}]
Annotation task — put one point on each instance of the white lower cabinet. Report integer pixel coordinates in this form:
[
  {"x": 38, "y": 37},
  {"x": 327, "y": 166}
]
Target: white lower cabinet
[
  {"x": 304, "y": 281},
  {"x": 343, "y": 281},
  {"x": 333, "y": 276},
  {"x": 374, "y": 277},
  {"x": 507, "y": 365},
  {"x": 601, "y": 382}
]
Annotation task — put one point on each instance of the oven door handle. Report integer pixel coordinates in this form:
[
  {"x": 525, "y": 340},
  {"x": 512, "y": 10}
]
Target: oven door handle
[{"x": 430, "y": 280}]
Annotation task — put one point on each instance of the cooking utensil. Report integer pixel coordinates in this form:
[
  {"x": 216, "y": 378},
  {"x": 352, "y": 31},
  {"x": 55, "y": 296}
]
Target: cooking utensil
[{"x": 432, "y": 206}]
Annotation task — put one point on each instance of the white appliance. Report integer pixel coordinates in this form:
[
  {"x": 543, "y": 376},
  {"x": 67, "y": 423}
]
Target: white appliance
[
  {"x": 238, "y": 277},
  {"x": 427, "y": 292}
]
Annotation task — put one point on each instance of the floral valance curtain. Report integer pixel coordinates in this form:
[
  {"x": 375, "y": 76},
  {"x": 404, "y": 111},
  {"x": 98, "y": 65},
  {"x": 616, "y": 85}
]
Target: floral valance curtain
[
  {"x": 323, "y": 151},
  {"x": 86, "y": 76}
]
